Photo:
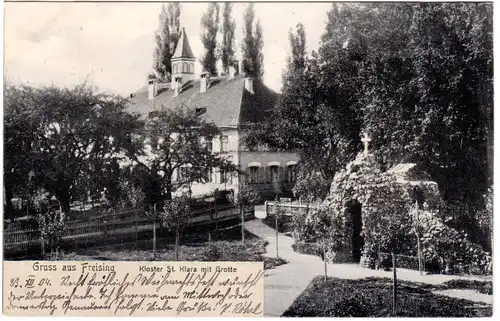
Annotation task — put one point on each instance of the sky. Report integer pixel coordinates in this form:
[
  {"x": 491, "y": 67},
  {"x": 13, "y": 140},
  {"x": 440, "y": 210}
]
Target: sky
[{"x": 110, "y": 45}]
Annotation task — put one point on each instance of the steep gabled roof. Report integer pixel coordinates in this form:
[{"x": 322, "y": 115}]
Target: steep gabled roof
[
  {"x": 183, "y": 49},
  {"x": 226, "y": 102}
]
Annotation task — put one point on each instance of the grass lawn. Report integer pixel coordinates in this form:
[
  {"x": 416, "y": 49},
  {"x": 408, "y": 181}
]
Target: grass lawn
[
  {"x": 225, "y": 246},
  {"x": 372, "y": 297}
]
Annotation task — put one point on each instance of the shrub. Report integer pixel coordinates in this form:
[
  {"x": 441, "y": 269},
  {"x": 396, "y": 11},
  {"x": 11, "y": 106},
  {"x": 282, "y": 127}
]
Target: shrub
[
  {"x": 211, "y": 253},
  {"x": 451, "y": 248},
  {"x": 481, "y": 287},
  {"x": 353, "y": 304},
  {"x": 311, "y": 187},
  {"x": 308, "y": 248}
]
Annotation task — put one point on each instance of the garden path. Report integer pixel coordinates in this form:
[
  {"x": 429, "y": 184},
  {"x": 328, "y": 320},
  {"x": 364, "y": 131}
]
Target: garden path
[{"x": 283, "y": 284}]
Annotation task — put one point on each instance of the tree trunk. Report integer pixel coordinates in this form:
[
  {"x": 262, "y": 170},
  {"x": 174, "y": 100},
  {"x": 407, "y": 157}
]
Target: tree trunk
[
  {"x": 154, "y": 238},
  {"x": 324, "y": 260},
  {"x": 168, "y": 189},
  {"x": 394, "y": 286},
  {"x": 242, "y": 212},
  {"x": 177, "y": 245},
  {"x": 136, "y": 233},
  {"x": 64, "y": 199},
  {"x": 419, "y": 254},
  {"x": 277, "y": 254}
]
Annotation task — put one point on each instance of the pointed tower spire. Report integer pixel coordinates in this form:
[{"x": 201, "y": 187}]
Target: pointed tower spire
[
  {"x": 182, "y": 62},
  {"x": 183, "y": 49}
]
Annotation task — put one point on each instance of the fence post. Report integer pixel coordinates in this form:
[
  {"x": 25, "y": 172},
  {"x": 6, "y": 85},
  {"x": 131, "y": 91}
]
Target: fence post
[
  {"x": 394, "y": 285},
  {"x": 136, "y": 233},
  {"x": 105, "y": 232},
  {"x": 216, "y": 218}
]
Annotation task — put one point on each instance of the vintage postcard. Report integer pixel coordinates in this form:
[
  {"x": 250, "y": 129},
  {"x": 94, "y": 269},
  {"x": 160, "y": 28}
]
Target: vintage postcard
[{"x": 248, "y": 159}]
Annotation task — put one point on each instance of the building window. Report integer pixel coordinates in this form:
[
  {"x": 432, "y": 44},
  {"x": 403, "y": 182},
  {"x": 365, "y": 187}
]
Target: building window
[
  {"x": 174, "y": 68},
  {"x": 253, "y": 175},
  {"x": 224, "y": 144},
  {"x": 274, "y": 171},
  {"x": 191, "y": 68},
  {"x": 292, "y": 173},
  {"x": 185, "y": 67}
]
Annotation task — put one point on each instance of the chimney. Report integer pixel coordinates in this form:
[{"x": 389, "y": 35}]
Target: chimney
[
  {"x": 204, "y": 81},
  {"x": 177, "y": 85},
  {"x": 249, "y": 84},
  {"x": 151, "y": 89}
]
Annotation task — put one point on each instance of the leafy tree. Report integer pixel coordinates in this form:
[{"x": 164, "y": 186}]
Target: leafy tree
[
  {"x": 252, "y": 44},
  {"x": 210, "y": 27},
  {"x": 111, "y": 181},
  {"x": 317, "y": 112},
  {"x": 51, "y": 222},
  {"x": 166, "y": 40},
  {"x": 175, "y": 215},
  {"x": 430, "y": 76},
  {"x": 174, "y": 143},
  {"x": 258, "y": 55},
  {"x": 75, "y": 133},
  {"x": 297, "y": 59},
  {"x": 228, "y": 27},
  {"x": 134, "y": 197},
  {"x": 247, "y": 196},
  {"x": 416, "y": 77},
  {"x": 20, "y": 125},
  {"x": 278, "y": 213},
  {"x": 311, "y": 187}
]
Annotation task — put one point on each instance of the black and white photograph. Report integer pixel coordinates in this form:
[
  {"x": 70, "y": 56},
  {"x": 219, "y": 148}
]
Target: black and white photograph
[{"x": 348, "y": 146}]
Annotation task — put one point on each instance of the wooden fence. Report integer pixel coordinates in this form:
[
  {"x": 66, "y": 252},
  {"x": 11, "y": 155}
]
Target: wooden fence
[
  {"x": 290, "y": 209},
  {"x": 111, "y": 225}
]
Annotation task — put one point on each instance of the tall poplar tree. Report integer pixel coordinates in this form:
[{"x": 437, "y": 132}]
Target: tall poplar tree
[
  {"x": 258, "y": 55},
  {"x": 166, "y": 40},
  {"x": 297, "y": 59},
  {"x": 228, "y": 27},
  {"x": 210, "y": 27},
  {"x": 253, "y": 43}
]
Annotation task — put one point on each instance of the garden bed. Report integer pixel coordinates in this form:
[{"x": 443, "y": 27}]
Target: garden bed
[
  {"x": 372, "y": 297},
  {"x": 484, "y": 287},
  {"x": 225, "y": 245}
]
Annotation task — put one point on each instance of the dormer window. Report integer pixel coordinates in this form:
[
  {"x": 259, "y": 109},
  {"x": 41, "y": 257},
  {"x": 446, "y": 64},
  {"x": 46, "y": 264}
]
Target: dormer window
[{"x": 200, "y": 111}]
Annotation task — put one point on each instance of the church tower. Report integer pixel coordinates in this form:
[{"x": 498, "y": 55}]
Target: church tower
[{"x": 182, "y": 62}]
